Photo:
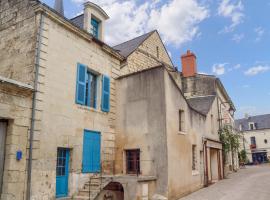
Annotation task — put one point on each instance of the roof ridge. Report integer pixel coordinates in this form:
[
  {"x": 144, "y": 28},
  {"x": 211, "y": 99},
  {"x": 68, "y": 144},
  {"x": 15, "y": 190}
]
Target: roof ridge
[{"x": 135, "y": 38}]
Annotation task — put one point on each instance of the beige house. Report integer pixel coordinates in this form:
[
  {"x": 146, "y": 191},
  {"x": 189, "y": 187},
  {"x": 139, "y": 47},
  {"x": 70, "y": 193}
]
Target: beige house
[
  {"x": 82, "y": 120},
  {"x": 256, "y": 137}
]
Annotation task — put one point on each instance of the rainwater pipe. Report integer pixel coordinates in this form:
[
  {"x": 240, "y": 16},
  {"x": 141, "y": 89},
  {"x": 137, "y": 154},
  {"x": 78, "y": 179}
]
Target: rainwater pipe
[{"x": 33, "y": 114}]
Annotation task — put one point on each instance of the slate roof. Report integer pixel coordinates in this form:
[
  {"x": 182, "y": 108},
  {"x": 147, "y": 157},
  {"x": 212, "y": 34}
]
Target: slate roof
[
  {"x": 261, "y": 122},
  {"x": 202, "y": 104},
  {"x": 128, "y": 47},
  {"x": 78, "y": 20}
]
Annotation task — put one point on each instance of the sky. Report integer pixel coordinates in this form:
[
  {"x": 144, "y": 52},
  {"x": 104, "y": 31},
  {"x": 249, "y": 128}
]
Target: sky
[{"x": 231, "y": 39}]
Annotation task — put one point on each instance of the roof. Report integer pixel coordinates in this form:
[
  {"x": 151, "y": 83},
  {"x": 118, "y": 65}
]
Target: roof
[
  {"x": 128, "y": 47},
  {"x": 78, "y": 20},
  {"x": 202, "y": 104},
  {"x": 261, "y": 122}
]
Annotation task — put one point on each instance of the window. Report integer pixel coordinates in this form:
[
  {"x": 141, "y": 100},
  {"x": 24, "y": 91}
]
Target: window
[
  {"x": 157, "y": 52},
  {"x": 252, "y": 126},
  {"x": 91, "y": 90},
  {"x": 240, "y": 127},
  {"x": 86, "y": 91},
  {"x": 194, "y": 157},
  {"x": 94, "y": 27},
  {"x": 181, "y": 120},
  {"x": 133, "y": 161},
  {"x": 212, "y": 124},
  {"x": 253, "y": 140}
]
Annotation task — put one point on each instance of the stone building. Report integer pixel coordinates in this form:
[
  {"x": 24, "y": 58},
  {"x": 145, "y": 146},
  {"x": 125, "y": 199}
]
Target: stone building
[
  {"x": 256, "y": 132},
  {"x": 82, "y": 120}
]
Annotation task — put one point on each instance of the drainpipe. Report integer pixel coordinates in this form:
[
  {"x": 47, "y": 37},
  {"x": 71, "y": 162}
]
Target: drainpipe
[
  {"x": 206, "y": 163},
  {"x": 32, "y": 128}
]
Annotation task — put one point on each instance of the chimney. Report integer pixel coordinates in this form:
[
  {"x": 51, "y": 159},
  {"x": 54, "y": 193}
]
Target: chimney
[
  {"x": 59, "y": 7},
  {"x": 189, "y": 64}
]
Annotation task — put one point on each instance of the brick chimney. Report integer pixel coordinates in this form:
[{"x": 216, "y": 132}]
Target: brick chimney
[{"x": 189, "y": 64}]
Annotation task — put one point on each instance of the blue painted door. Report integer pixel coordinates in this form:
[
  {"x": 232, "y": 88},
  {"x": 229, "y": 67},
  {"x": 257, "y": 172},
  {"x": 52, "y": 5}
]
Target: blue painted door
[
  {"x": 91, "y": 152},
  {"x": 62, "y": 171}
]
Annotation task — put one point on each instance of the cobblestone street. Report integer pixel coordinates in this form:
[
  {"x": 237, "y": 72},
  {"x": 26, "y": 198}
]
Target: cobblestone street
[{"x": 251, "y": 183}]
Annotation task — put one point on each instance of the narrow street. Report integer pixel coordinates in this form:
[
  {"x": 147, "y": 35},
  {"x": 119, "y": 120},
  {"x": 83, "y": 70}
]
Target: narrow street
[{"x": 251, "y": 183}]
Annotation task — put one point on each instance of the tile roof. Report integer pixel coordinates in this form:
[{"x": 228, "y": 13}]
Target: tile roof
[
  {"x": 128, "y": 47},
  {"x": 202, "y": 104},
  {"x": 78, "y": 20},
  {"x": 261, "y": 122}
]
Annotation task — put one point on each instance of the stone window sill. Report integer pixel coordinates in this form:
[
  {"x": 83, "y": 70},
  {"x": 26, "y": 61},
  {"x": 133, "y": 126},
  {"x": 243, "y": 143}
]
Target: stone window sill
[{"x": 181, "y": 133}]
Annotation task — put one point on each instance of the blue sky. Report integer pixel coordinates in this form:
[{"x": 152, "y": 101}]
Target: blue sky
[{"x": 231, "y": 39}]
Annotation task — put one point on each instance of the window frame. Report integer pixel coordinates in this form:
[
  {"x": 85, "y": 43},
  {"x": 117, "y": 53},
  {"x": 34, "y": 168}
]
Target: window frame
[
  {"x": 95, "y": 24},
  {"x": 181, "y": 120},
  {"x": 194, "y": 158},
  {"x": 135, "y": 160}
]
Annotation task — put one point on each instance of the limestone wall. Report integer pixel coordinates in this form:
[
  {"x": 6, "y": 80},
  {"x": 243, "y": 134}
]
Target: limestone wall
[
  {"x": 62, "y": 121},
  {"x": 146, "y": 55},
  {"x": 17, "y": 40},
  {"x": 17, "y": 47}
]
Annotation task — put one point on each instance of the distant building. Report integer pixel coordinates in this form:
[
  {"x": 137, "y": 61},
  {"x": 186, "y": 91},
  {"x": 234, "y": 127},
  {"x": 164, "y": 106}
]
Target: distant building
[{"x": 256, "y": 132}]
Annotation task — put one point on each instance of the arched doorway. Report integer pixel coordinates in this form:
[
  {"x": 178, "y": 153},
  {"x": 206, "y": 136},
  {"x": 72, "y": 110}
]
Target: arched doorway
[{"x": 113, "y": 191}]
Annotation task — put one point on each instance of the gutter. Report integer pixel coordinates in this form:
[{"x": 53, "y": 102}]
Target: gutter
[{"x": 32, "y": 128}]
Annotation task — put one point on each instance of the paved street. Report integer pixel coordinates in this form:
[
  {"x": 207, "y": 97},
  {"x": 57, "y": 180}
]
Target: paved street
[{"x": 252, "y": 183}]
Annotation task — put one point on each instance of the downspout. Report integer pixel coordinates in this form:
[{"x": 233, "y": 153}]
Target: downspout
[
  {"x": 206, "y": 163},
  {"x": 33, "y": 115}
]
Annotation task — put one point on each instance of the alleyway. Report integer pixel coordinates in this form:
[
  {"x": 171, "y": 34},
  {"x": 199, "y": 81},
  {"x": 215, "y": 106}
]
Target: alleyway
[{"x": 252, "y": 183}]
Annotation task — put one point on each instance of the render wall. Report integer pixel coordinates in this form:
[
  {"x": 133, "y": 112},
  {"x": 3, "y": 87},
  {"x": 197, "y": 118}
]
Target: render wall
[
  {"x": 260, "y": 136},
  {"x": 62, "y": 122},
  {"x": 145, "y": 56},
  {"x": 17, "y": 55},
  {"x": 141, "y": 124},
  {"x": 182, "y": 179}
]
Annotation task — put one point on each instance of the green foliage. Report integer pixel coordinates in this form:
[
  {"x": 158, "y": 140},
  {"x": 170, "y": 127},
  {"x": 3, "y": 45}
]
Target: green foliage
[
  {"x": 243, "y": 156},
  {"x": 229, "y": 138}
]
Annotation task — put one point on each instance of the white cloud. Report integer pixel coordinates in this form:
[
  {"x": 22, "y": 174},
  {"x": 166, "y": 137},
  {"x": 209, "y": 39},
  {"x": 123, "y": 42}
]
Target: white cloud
[
  {"x": 238, "y": 37},
  {"x": 238, "y": 66},
  {"x": 219, "y": 69},
  {"x": 259, "y": 33},
  {"x": 177, "y": 20},
  {"x": 232, "y": 10},
  {"x": 257, "y": 70},
  {"x": 245, "y": 86}
]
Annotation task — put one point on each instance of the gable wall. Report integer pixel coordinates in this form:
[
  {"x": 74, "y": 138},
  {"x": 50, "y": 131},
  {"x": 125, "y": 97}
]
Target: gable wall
[{"x": 145, "y": 55}]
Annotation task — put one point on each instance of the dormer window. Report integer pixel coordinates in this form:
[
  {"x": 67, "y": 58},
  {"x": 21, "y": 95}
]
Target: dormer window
[
  {"x": 95, "y": 27},
  {"x": 252, "y": 126}
]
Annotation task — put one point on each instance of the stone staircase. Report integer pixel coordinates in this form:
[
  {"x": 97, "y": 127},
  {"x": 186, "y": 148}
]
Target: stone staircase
[{"x": 92, "y": 188}]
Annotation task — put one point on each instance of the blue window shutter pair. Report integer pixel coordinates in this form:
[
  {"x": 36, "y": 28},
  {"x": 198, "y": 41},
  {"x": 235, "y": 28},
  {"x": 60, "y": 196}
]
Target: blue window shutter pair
[
  {"x": 105, "y": 104},
  {"x": 81, "y": 84},
  {"x": 81, "y": 88}
]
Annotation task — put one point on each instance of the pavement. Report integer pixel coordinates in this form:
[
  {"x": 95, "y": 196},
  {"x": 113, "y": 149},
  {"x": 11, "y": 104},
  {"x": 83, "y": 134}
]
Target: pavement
[{"x": 251, "y": 183}]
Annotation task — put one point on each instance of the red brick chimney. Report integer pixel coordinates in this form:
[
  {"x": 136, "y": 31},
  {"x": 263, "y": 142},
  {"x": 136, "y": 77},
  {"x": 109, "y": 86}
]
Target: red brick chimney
[{"x": 189, "y": 64}]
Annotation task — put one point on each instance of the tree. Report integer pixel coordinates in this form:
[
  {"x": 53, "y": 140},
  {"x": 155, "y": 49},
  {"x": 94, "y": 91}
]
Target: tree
[
  {"x": 243, "y": 156},
  {"x": 230, "y": 141}
]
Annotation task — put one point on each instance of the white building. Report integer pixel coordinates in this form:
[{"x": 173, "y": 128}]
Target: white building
[{"x": 256, "y": 140}]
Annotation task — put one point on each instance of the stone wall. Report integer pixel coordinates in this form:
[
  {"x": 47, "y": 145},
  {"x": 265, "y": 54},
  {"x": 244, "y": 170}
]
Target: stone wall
[
  {"x": 17, "y": 40},
  {"x": 61, "y": 120},
  {"x": 17, "y": 47},
  {"x": 145, "y": 56}
]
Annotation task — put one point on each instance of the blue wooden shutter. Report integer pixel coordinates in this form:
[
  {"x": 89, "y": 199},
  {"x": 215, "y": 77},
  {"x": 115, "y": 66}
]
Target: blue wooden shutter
[
  {"x": 91, "y": 152},
  {"x": 81, "y": 84},
  {"x": 105, "y": 104}
]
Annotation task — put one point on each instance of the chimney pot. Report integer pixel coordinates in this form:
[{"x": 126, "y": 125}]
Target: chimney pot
[{"x": 189, "y": 64}]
